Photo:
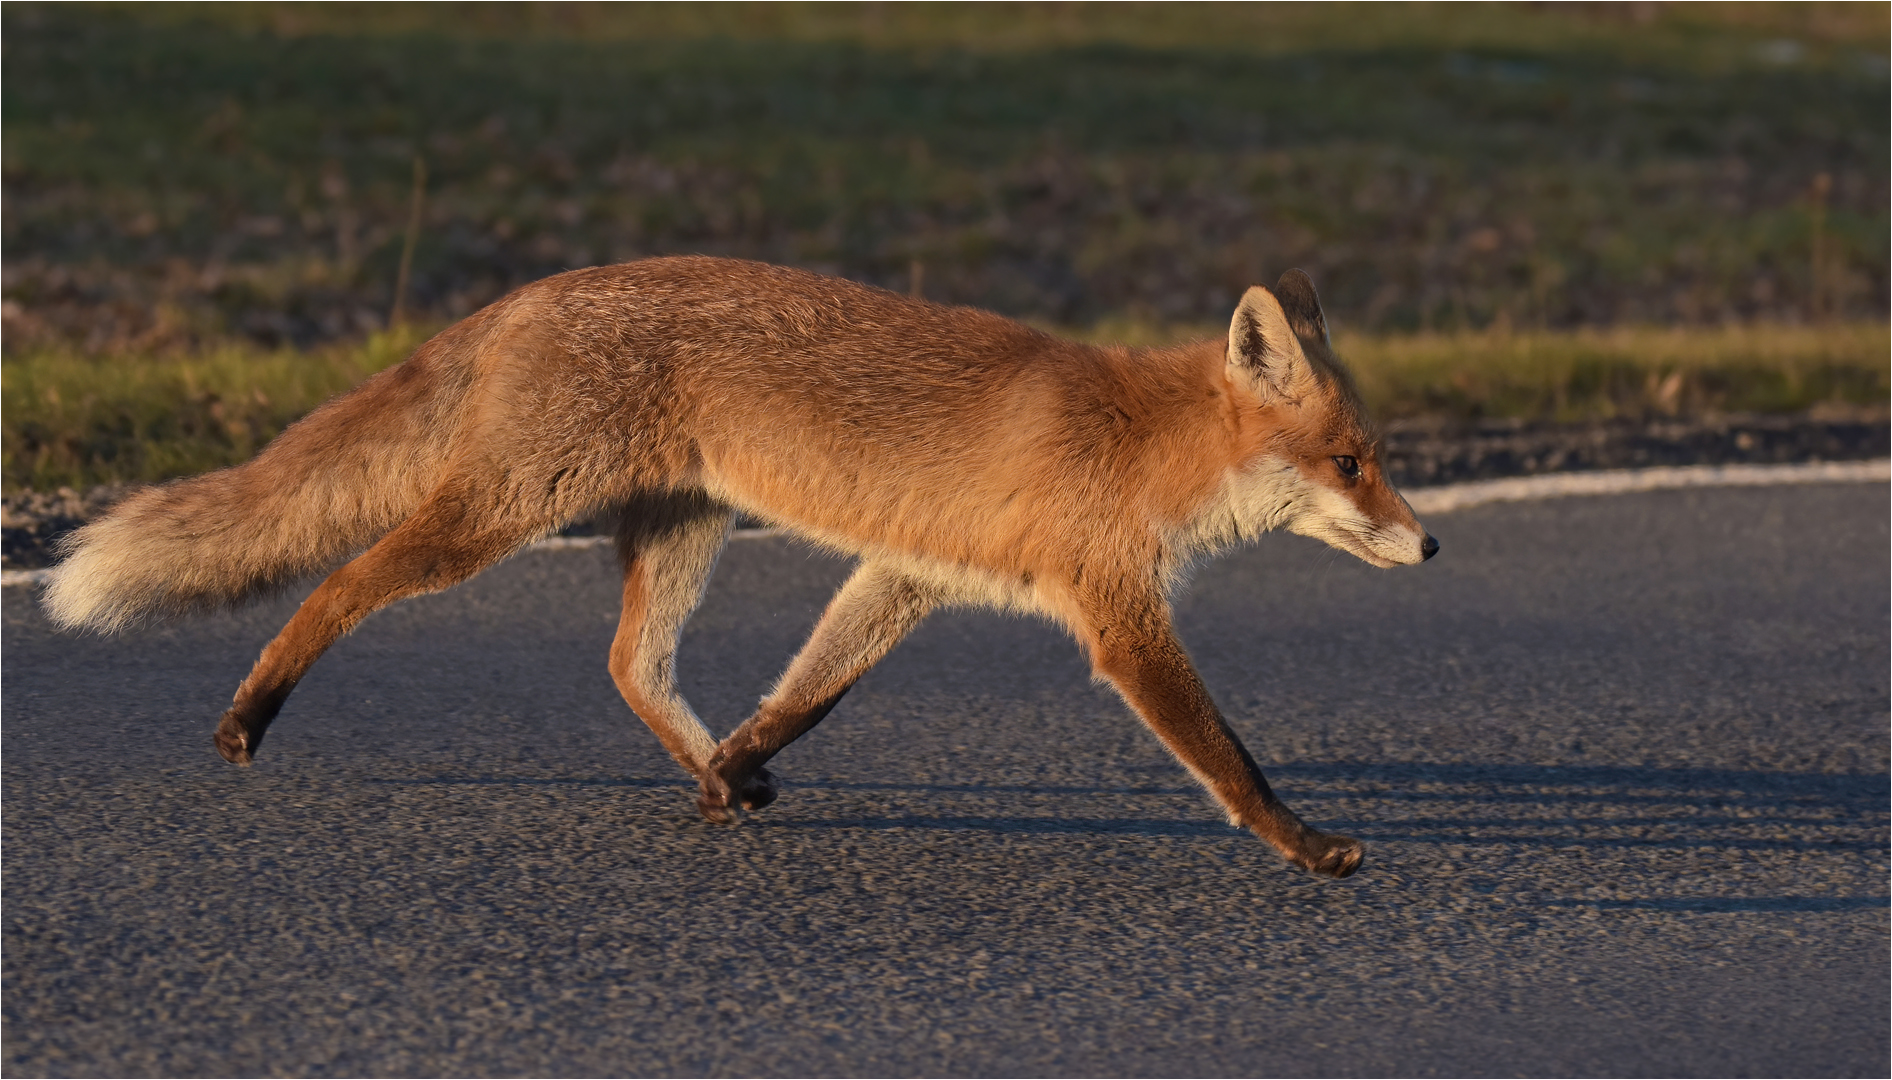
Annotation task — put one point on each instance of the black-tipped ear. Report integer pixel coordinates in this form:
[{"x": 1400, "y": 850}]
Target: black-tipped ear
[
  {"x": 1262, "y": 344},
  {"x": 1296, "y": 293}
]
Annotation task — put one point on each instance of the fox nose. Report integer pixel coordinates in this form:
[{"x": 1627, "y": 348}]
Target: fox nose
[{"x": 1429, "y": 548}]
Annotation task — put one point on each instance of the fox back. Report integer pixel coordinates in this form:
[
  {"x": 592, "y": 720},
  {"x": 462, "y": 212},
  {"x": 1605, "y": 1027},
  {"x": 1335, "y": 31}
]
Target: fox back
[
  {"x": 871, "y": 421},
  {"x": 964, "y": 457}
]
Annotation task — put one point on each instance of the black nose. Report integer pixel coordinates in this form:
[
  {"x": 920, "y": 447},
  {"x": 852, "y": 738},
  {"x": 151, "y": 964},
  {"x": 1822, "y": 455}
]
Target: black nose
[{"x": 1429, "y": 548}]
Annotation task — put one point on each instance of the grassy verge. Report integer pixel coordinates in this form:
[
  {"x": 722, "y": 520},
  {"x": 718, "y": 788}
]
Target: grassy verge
[
  {"x": 80, "y": 421},
  {"x": 178, "y": 174},
  {"x": 84, "y": 420},
  {"x": 1623, "y": 371}
]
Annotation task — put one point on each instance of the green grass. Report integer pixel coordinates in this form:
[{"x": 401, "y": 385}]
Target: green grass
[
  {"x": 1623, "y": 371},
  {"x": 1597, "y": 373},
  {"x": 80, "y": 421},
  {"x": 179, "y": 175},
  {"x": 205, "y": 204},
  {"x": 1257, "y": 30}
]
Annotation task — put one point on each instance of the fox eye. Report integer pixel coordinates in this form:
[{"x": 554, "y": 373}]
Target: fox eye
[{"x": 1349, "y": 466}]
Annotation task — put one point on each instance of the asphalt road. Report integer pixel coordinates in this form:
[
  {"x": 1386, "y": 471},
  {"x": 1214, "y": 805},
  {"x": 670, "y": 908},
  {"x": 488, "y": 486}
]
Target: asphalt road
[{"x": 1621, "y": 764}]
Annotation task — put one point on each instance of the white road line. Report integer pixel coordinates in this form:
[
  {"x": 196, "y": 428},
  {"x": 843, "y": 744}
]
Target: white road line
[
  {"x": 1448, "y": 497},
  {"x": 580, "y": 543}
]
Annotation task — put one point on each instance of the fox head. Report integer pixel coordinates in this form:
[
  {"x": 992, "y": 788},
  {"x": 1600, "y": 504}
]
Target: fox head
[{"x": 1311, "y": 461}]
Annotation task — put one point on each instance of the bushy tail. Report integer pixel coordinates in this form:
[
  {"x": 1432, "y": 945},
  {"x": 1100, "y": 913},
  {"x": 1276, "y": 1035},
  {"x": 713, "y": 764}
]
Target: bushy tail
[{"x": 327, "y": 487}]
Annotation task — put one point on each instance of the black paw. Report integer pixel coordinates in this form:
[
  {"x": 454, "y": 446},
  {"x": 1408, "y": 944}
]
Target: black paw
[
  {"x": 759, "y": 790},
  {"x": 722, "y": 802},
  {"x": 234, "y": 740}
]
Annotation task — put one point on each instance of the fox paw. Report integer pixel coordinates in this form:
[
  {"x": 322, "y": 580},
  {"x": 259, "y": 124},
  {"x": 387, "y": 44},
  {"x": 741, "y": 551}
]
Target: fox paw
[
  {"x": 1328, "y": 855},
  {"x": 720, "y": 802},
  {"x": 234, "y": 741},
  {"x": 759, "y": 790}
]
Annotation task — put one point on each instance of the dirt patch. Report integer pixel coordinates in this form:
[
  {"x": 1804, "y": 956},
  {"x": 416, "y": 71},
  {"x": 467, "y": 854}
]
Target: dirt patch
[
  {"x": 32, "y": 521},
  {"x": 1425, "y": 453}
]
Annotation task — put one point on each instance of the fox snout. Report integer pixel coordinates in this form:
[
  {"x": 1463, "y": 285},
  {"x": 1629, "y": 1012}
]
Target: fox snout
[
  {"x": 1370, "y": 521},
  {"x": 1388, "y": 548},
  {"x": 1427, "y": 548}
]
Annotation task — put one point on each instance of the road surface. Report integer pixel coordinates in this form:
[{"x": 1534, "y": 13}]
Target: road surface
[{"x": 1621, "y": 764}]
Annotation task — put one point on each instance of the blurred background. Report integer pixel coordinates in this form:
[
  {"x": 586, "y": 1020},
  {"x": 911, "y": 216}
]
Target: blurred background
[{"x": 216, "y": 215}]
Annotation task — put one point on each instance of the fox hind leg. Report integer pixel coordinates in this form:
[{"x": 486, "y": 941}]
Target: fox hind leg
[
  {"x": 667, "y": 546},
  {"x": 872, "y": 612},
  {"x": 453, "y": 535}
]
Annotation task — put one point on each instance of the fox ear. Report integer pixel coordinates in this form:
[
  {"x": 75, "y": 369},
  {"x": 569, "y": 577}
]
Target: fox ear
[
  {"x": 1295, "y": 290},
  {"x": 1263, "y": 347}
]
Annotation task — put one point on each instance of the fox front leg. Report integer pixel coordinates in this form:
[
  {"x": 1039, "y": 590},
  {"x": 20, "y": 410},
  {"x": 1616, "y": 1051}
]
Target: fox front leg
[{"x": 1132, "y": 645}]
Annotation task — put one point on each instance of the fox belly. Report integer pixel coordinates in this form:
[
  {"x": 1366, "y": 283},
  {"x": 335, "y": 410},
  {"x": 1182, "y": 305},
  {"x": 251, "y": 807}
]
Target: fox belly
[{"x": 966, "y": 459}]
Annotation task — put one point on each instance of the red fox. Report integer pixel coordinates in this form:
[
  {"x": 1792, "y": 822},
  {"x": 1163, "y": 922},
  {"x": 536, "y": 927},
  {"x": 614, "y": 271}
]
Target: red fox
[{"x": 965, "y": 458}]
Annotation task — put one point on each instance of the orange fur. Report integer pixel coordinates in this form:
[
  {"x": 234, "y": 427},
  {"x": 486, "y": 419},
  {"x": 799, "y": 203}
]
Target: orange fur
[{"x": 964, "y": 457}]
